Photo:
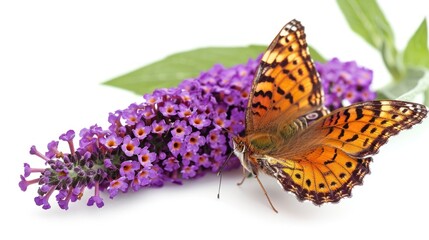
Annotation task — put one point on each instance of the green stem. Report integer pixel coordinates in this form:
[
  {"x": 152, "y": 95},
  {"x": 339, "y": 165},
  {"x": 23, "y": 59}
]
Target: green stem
[
  {"x": 393, "y": 61},
  {"x": 426, "y": 97}
]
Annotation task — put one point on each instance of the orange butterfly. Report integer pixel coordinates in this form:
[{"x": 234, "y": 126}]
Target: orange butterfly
[{"x": 317, "y": 155}]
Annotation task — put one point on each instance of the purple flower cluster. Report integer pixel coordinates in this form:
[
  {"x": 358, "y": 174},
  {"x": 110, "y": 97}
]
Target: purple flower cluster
[
  {"x": 174, "y": 134},
  {"x": 345, "y": 83}
]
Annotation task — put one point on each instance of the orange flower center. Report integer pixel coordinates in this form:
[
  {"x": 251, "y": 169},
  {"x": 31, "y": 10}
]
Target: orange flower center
[
  {"x": 111, "y": 143},
  {"x": 130, "y": 147},
  {"x": 145, "y": 158},
  {"x": 140, "y": 131},
  {"x": 187, "y": 113}
]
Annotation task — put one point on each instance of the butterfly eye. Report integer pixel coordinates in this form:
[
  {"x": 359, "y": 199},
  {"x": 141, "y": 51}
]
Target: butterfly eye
[{"x": 239, "y": 146}]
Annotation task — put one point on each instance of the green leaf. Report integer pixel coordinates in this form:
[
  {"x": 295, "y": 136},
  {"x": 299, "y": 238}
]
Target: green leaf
[
  {"x": 416, "y": 83},
  {"x": 417, "y": 53},
  {"x": 171, "y": 70},
  {"x": 368, "y": 21},
  {"x": 316, "y": 55}
]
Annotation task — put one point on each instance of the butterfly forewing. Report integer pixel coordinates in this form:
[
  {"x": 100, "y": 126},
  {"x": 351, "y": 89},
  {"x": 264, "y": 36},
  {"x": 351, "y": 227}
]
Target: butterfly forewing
[
  {"x": 287, "y": 84},
  {"x": 361, "y": 129}
]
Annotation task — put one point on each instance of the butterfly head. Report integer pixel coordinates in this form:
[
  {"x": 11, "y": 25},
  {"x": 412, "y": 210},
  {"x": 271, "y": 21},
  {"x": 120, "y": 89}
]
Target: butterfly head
[{"x": 242, "y": 151}]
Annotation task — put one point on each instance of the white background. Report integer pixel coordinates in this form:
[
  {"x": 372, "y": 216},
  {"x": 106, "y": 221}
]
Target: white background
[{"x": 54, "y": 55}]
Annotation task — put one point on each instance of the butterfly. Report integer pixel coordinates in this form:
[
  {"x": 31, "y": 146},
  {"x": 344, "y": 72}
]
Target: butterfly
[{"x": 316, "y": 154}]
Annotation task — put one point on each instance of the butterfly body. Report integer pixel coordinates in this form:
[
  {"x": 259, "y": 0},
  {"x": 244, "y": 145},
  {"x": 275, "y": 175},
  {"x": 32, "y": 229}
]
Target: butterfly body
[{"x": 317, "y": 155}]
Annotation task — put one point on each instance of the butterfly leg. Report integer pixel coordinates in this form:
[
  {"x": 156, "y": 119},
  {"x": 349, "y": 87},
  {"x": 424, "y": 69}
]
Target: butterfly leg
[
  {"x": 266, "y": 194},
  {"x": 244, "y": 177}
]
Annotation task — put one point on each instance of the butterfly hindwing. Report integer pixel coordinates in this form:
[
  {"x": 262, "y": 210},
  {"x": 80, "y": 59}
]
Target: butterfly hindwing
[
  {"x": 317, "y": 177},
  {"x": 327, "y": 159},
  {"x": 287, "y": 84}
]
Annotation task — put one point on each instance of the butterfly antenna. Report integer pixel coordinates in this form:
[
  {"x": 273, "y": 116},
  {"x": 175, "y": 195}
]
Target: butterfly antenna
[
  {"x": 225, "y": 130},
  {"x": 220, "y": 183},
  {"x": 219, "y": 173}
]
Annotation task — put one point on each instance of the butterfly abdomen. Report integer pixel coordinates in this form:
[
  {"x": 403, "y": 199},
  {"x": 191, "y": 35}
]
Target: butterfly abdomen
[{"x": 291, "y": 129}]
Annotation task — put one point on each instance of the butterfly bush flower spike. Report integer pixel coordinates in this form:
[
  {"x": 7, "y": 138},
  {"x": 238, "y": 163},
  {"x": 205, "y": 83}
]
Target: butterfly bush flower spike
[{"x": 173, "y": 134}]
